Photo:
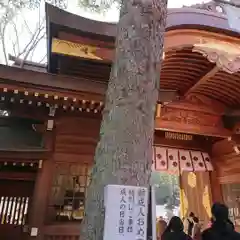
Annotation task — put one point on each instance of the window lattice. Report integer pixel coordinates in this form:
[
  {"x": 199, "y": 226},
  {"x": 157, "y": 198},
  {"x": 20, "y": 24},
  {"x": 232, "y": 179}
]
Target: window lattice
[{"x": 68, "y": 191}]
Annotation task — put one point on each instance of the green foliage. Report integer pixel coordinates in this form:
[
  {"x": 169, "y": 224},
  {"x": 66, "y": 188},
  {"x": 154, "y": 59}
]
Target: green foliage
[
  {"x": 12, "y": 3},
  {"x": 99, "y": 6},
  {"x": 31, "y": 4},
  {"x": 167, "y": 191}
]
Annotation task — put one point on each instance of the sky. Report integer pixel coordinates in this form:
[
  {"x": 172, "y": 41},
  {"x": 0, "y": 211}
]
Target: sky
[
  {"x": 31, "y": 17},
  {"x": 112, "y": 16}
]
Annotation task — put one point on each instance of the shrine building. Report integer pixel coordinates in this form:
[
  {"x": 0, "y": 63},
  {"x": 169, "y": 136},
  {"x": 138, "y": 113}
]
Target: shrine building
[{"x": 51, "y": 115}]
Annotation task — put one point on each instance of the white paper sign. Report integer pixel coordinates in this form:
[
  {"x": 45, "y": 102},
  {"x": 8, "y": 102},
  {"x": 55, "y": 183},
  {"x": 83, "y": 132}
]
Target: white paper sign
[
  {"x": 34, "y": 232},
  {"x": 125, "y": 212},
  {"x": 153, "y": 208}
]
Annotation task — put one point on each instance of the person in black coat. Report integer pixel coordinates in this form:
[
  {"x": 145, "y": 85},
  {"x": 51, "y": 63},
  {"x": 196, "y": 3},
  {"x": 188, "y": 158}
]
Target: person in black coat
[
  {"x": 174, "y": 230},
  {"x": 222, "y": 228}
]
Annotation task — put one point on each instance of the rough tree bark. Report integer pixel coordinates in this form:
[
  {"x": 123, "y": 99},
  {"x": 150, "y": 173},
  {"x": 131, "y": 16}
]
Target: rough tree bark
[{"x": 124, "y": 152}]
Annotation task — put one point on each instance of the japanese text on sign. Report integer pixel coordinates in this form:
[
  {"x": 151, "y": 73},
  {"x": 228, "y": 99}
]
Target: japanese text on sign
[
  {"x": 125, "y": 213},
  {"x": 141, "y": 213}
]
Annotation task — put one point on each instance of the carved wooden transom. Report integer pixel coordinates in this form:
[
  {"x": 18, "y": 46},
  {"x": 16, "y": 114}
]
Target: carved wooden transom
[{"x": 224, "y": 54}]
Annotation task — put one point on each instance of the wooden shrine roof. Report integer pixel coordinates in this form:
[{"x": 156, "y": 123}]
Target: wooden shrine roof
[
  {"x": 18, "y": 62},
  {"x": 65, "y": 86},
  {"x": 184, "y": 69},
  {"x": 189, "y": 70},
  {"x": 38, "y": 88},
  {"x": 195, "y": 18}
]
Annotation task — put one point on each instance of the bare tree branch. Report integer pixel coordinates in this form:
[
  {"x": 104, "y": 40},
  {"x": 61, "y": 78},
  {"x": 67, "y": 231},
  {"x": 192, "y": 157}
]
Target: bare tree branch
[
  {"x": 16, "y": 35},
  {"x": 26, "y": 25},
  {"x": 35, "y": 35},
  {"x": 14, "y": 48},
  {"x": 10, "y": 17},
  {"x": 2, "y": 36},
  {"x": 4, "y": 49},
  {"x": 31, "y": 50},
  {"x": 5, "y": 19},
  {"x": 43, "y": 59},
  {"x": 31, "y": 55},
  {"x": 34, "y": 44}
]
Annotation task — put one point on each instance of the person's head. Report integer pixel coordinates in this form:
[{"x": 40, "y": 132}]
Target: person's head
[
  {"x": 175, "y": 224},
  {"x": 162, "y": 226},
  {"x": 220, "y": 212},
  {"x": 191, "y": 215},
  {"x": 220, "y": 218},
  {"x": 195, "y": 220},
  {"x": 77, "y": 187}
]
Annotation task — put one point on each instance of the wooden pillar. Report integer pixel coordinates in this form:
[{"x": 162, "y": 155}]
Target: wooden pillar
[
  {"x": 196, "y": 195},
  {"x": 216, "y": 188},
  {"x": 42, "y": 190},
  {"x": 40, "y": 198}
]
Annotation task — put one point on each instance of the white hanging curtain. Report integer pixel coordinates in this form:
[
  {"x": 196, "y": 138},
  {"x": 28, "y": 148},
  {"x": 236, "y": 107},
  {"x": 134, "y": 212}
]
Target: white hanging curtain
[{"x": 175, "y": 160}]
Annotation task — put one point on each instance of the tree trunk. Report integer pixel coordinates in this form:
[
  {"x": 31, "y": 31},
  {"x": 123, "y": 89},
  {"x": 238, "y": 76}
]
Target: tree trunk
[{"x": 124, "y": 152}]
